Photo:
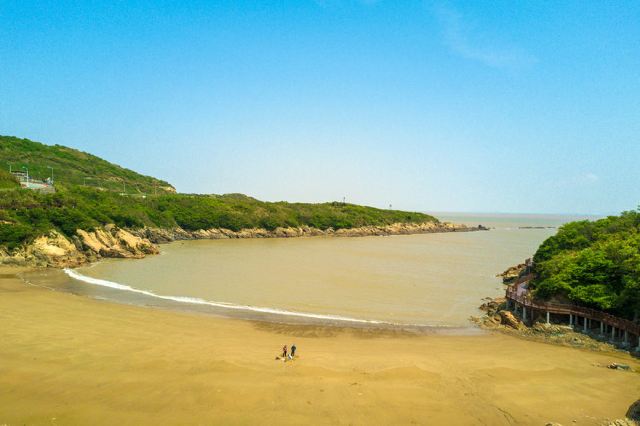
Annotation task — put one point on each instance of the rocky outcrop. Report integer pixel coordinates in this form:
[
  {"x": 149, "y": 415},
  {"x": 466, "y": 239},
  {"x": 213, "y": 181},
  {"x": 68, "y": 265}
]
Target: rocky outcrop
[
  {"x": 112, "y": 241},
  {"x": 512, "y": 273},
  {"x": 634, "y": 411},
  {"x": 507, "y": 318},
  {"x": 56, "y": 250},
  {"x": 52, "y": 249},
  {"x": 158, "y": 236},
  {"x": 498, "y": 319}
]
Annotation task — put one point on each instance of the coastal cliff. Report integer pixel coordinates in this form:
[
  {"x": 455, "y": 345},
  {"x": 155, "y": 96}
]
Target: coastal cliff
[
  {"x": 58, "y": 251},
  {"x": 159, "y": 235}
]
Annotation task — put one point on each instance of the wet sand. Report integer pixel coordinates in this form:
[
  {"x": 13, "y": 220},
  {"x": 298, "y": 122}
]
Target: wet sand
[{"x": 67, "y": 359}]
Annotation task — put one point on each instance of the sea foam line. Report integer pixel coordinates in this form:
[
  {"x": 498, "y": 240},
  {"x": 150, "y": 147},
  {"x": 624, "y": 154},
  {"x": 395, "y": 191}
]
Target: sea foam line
[{"x": 197, "y": 301}]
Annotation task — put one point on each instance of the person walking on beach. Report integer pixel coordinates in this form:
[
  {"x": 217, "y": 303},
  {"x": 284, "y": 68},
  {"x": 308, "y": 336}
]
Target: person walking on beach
[
  {"x": 293, "y": 351},
  {"x": 284, "y": 352}
]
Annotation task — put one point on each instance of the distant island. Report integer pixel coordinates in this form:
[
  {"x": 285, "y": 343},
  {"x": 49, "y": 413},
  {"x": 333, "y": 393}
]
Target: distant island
[{"x": 64, "y": 207}]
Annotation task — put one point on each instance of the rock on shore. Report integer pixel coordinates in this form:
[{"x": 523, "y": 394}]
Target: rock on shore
[
  {"x": 57, "y": 250},
  {"x": 158, "y": 235},
  {"x": 512, "y": 273},
  {"x": 499, "y": 319}
]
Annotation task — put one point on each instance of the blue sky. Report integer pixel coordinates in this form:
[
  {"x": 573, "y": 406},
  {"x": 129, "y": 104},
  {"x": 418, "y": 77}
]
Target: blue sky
[{"x": 441, "y": 106}]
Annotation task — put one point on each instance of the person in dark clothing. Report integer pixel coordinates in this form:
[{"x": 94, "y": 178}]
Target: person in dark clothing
[{"x": 293, "y": 350}]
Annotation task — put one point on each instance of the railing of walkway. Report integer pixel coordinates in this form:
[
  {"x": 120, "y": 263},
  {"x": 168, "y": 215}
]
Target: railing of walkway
[{"x": 557, "y": 308}]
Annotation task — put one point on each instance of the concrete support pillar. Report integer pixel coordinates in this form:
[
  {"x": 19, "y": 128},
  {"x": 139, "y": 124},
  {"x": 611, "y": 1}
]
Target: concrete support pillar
[
  {"x": 524, "y": 313},
  {"x": 571, "y": 320},
  {"x": 584, "y": 324},
  {"x": 548, "y": 317},
  {"x": 601, "y": 328},
  {"x": 626, "y": 337},
  {"x": 613, "y": 333}
]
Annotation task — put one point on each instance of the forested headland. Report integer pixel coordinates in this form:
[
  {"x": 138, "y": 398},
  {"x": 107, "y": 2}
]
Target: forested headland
[
  {"x": 594, "y": 264},
  {"x": 92, "y": 192}
]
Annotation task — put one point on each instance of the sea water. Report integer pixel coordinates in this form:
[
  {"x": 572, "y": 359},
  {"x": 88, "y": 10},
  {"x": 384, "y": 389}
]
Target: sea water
[{"x": 433, "y": 280}]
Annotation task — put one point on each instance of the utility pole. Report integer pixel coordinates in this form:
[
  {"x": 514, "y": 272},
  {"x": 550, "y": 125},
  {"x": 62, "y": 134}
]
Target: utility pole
[{"x": 27, "y": 169}]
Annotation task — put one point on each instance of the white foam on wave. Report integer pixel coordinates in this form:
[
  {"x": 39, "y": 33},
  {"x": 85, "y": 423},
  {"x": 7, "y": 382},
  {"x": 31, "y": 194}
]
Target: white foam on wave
[{"x": 197, "y": 301}]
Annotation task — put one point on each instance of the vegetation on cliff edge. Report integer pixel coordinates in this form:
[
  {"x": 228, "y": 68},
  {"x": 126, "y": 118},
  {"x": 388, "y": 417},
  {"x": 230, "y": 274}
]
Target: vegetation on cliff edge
[
  {"x": 595, "y": 264},
  {"x": 26, "y": 214}
]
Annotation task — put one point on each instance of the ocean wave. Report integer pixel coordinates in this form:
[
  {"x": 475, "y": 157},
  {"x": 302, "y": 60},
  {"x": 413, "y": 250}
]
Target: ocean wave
[{"x": 225, "y": 305}]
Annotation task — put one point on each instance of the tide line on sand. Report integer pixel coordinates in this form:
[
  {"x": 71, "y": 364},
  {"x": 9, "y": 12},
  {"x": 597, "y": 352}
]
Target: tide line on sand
[{"x": 197, "y": 301}]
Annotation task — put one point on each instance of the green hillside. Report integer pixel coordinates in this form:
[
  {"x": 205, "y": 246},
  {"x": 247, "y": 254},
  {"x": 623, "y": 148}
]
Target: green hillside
[
  {"x": 595, "y": 264},
  {"x": 73, "y": 167},
  {"x": 25, "y": 214},
  {"x": 7, "y": 181}
]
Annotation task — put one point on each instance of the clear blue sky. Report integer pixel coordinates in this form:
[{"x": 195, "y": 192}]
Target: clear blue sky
[{"x": 446, "y": 106}]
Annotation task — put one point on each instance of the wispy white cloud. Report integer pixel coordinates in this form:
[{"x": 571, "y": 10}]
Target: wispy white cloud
[
  {"x": 587, "y": 178},
  {"x": 457, "y": 35}
]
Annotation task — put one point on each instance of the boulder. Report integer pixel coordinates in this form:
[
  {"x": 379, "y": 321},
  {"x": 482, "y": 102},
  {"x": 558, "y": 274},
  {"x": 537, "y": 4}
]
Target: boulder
[
  {"x": 507, "y": 318},
  {"x": 492, "y": 306},
  {"x": 112, "y": 241},
  {"x": 634, "y": 411},
  {"x": 134, "y": 244},
  {"x": 616, "y": 366}
]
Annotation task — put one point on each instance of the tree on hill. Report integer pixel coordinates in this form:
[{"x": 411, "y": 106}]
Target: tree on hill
[
  {"x": 26, "y": 214},
  {"x": 596, "y": 264}
]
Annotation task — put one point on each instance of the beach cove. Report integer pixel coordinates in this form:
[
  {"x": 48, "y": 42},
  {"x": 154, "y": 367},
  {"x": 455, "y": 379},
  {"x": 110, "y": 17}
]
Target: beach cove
[
  {"x": 74, "y": 356},
  {"x": 423, "y": 280},
  {"x": 67, "y": 359}
]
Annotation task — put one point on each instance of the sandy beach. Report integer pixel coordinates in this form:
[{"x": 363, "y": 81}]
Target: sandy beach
[{"x": 68, "y": 359}]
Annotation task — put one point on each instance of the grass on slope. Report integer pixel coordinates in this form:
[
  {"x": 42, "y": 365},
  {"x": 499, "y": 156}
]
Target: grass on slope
[
  {"x": 7, "y": 181},
  {"x": 73, "y": 167},
  {"x": 26, "y": 214}
]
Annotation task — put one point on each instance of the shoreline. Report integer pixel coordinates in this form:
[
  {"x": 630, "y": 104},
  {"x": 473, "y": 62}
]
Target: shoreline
[
  {"x": 255, "y": 313},
  {"x": 147, "y": 299},
  {"x": 496, "y": 319},
  {"x": 58, "y": 251},
  {"x": 74, "y": 360},
  {"x": 161, "y": 235}
]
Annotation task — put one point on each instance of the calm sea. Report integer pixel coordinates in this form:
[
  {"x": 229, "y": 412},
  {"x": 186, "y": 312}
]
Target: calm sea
[{"x": 426, "y": 280}]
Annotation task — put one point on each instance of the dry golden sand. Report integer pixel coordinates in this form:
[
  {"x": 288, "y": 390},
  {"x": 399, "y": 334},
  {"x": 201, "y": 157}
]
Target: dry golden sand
[{"x": 66, "y": 359}]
